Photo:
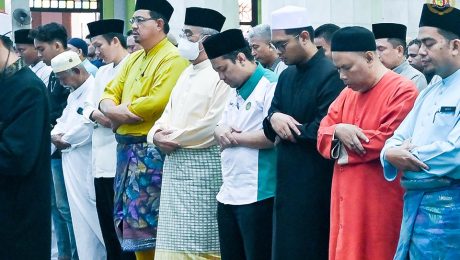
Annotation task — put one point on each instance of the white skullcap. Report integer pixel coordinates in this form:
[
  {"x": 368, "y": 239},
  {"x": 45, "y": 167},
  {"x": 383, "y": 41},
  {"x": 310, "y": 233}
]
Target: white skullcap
[
  {"x": 290, "y": 17},
  {"x": 65, "y": 61}
]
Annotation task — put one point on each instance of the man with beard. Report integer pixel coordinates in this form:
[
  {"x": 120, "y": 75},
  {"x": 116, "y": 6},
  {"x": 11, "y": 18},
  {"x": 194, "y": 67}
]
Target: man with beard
[
  {"x": 426, "y": 146},
  {"x": 51, "y": 40},
  {"x": 72, "y": 136},
  {"x": 133, "y": 101},
  {"x": 302, "y": 96}
]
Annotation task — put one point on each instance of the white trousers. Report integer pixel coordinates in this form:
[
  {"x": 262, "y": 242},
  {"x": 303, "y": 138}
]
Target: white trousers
[{"x": 76, "y": 165}]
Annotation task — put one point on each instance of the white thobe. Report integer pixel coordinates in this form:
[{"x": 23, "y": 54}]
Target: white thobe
[
  {"x": 104, "y": 145},
  {"x": 42, "y": 71},
  {"x": 194, "y": 108},
  {"x": 78, "y": 179}
]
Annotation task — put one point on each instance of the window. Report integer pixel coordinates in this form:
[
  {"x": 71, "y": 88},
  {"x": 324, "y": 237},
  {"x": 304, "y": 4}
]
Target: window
[
  {"x": 249, "y": 15},
  {"x": 66, "y": 5}
]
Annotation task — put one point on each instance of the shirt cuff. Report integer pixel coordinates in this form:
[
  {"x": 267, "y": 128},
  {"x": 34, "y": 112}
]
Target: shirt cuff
[{"x": 389, "y": 171}]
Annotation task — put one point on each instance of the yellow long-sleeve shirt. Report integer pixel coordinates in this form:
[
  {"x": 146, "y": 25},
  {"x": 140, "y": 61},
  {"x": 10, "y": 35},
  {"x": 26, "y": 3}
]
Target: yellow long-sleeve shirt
[{"x": 145, "y": 82}]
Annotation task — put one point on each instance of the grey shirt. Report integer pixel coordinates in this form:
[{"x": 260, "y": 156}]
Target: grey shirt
[{"x": 409, "y": 72}]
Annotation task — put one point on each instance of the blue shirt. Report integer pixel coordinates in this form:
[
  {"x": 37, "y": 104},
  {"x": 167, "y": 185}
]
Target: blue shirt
[
  {"x": 433, "y": 127},
  {"x": 90, "y": 67}
]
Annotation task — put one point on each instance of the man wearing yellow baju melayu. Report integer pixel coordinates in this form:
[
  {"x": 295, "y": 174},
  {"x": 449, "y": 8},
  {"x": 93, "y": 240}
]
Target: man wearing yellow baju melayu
[{"x": 133, "y": 101}]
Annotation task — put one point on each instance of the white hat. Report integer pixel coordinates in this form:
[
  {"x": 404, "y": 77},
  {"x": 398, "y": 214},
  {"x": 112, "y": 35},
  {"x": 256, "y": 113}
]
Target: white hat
[
  {"x": 65, "y": 61},
  {"x": 290, "y": 17}
]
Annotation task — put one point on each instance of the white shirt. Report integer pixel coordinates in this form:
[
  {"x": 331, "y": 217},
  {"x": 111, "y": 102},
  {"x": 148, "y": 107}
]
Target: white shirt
[
  {"x": 280, "y": 67},
  {"x": 42, "y": 71},
  {"x": 77, "y": 130},
  {"x": 104, "y": 145},
  {"x": 194, "y": 108},
  {"x": 248, "y": 174}
]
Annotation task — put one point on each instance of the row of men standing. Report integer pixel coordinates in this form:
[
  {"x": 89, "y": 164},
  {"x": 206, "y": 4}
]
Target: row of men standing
[{"x": 257, "y": 116}]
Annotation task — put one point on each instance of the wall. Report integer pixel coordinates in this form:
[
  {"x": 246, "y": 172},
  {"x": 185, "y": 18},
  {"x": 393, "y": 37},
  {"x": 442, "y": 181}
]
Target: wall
[
  {"x": 355, "y": 12},
  {"x": 123, "y": 9}
]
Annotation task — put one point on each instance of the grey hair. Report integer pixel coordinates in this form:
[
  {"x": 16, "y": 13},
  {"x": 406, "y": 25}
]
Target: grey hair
[
  {"x": 262, "y": 30},
  {"x": 208, "y": 31}
]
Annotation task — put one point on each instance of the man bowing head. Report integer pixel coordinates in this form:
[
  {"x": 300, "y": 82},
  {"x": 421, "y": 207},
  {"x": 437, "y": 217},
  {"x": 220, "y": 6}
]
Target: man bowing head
[{"x": 353, "y": 133}]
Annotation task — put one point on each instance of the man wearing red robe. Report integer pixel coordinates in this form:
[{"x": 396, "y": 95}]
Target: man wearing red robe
[{"x": 366, "y": 210}]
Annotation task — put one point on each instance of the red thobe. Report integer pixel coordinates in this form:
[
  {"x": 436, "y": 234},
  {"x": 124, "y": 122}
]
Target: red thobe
[{"x": 366, "y": 210}]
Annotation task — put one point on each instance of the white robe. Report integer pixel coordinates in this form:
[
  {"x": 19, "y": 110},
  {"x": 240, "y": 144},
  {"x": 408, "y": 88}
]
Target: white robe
[
  {"x": 42, "y": 71},
  {"x": 104, "y": 158},
  {"x": 76, "y": 164}
]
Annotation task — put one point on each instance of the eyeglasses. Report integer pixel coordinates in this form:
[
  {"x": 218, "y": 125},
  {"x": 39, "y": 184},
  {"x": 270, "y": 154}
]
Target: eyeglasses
[
  {"x": 281, "y": 45},
  {"x": 139, "y": 20},
  {"x": 186, "y": 34}
]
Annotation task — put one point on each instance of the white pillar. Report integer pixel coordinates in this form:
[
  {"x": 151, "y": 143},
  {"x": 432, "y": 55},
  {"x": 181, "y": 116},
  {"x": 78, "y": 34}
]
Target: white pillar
[{"x": 119, "y": 9}]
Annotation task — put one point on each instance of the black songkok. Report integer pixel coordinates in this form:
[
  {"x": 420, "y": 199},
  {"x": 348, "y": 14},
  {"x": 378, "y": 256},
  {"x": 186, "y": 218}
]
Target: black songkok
[
  {"x": 224, "y": 43},
  {"x": 160, "y": 6},
  {"x": 105, "y": 26},
  {"x": 22, "y": 37},
  {"x": 389, "y": 30},
  {"x": 354, "y": 39},
  {"x": 203, "y": 17},
  {"x": 446, "y": 18}
]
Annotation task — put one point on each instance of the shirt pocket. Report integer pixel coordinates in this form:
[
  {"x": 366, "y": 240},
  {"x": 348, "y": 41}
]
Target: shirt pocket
[{"x": 445, "y": 119}]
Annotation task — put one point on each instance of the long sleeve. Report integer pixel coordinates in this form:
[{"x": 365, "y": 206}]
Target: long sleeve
[
  {"x": 89, "y": 104},
  {"x": 442, "y": 157},
  {"x": 20, "y": 139},
  {"x": 76, "y": 129},
  {"x": 394, "y": 113},
  {"x": 80, "y": 134},
  {"x": 275, "y": 107},
  {"x": 114, "y": 88},
  {"x": 402, "y": 133},
  {"x": 161, "y": 123},
  {"x": 325, "y": 142},
  {"x": 329, "y": 91},
  {"x": 57, "y": 98},
  {"x": 151, "y": 106},
  {"x": 204, "y": 127}
]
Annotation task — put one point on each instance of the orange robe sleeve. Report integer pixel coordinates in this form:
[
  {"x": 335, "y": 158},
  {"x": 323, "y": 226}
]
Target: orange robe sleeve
[
  {"x": 397, "y": 108},
  {"x": 327, "y": 126}
]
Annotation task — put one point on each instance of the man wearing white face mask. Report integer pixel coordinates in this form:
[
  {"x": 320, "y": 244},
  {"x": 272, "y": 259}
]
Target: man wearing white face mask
[{"x": 192, "y": 171}]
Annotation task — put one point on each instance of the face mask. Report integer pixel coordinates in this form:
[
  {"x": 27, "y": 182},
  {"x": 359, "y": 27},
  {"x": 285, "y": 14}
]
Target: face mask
[{"x": 189, "y": 50}]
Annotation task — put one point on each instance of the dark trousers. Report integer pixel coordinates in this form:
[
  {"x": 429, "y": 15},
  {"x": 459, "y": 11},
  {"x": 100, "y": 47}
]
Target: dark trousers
[
  {"x": 104, "y": 206},
  {"x": 245, "y": 231}
]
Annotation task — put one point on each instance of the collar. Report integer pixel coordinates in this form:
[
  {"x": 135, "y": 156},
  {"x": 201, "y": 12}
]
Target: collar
[
  {"x": 401, "y": 67},
  {"x": 86, "y": 61},
  {"x": 121, "y": 62},
  {"x": 12, "y": 69},
  {"x": 157, "y": 47},
  {"x": 246, "y": 89},
  {"x": 273, "y": 67},
  {"x": 312, "y": 61},
  {"x": 77, "y": 92},
  {"x": 451, "y": 79},
  {"x": 38, "y": 66},
  {"x": 202, "y": 65}
]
